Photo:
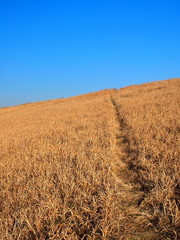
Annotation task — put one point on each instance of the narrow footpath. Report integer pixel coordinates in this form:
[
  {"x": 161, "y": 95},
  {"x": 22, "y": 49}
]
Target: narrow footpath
[{"x": 136, "y": 218}]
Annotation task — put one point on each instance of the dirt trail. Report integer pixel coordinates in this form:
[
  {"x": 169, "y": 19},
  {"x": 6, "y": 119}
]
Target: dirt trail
[{"x": 137, "y": 220}]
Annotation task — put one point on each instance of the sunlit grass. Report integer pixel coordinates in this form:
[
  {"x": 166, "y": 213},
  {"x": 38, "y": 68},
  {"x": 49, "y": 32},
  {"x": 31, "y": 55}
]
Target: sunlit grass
[{"x": 66, "y": 168}]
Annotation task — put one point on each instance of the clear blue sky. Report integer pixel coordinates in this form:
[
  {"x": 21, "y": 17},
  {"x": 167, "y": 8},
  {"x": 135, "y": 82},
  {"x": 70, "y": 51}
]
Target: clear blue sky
[{"x": 52, "y": 49}]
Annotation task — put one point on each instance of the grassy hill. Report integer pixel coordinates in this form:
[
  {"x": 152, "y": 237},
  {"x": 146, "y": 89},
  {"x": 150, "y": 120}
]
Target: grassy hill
[{"x": 98, "y": 166}]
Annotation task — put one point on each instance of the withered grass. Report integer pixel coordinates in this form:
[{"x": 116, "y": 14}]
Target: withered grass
[{"x": 97, "y": 166}]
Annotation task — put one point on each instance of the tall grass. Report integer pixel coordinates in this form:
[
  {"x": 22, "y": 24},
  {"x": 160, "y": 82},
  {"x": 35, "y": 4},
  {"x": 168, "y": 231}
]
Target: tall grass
[
  {"x": 152, "y": 112},
  {"x": 97, "y": 166}
]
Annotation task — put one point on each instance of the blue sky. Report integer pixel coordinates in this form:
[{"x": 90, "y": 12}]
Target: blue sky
[{"x": 53, "y": 49}]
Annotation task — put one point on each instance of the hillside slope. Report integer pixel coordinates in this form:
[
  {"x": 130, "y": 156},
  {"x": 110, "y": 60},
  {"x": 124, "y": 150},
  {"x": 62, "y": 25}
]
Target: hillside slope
[
  {"x": 152, "y": 125},
  {"x": 98, "y": 166}
]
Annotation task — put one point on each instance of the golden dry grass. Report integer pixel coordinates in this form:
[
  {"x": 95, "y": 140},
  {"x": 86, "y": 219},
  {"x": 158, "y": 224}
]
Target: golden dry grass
[
  {"x": 152, "y": 112},
  {"x": 99, "y": 166}
]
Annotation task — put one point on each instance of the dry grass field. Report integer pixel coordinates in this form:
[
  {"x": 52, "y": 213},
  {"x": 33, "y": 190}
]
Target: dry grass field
[{"x": 98, "y": 166}]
